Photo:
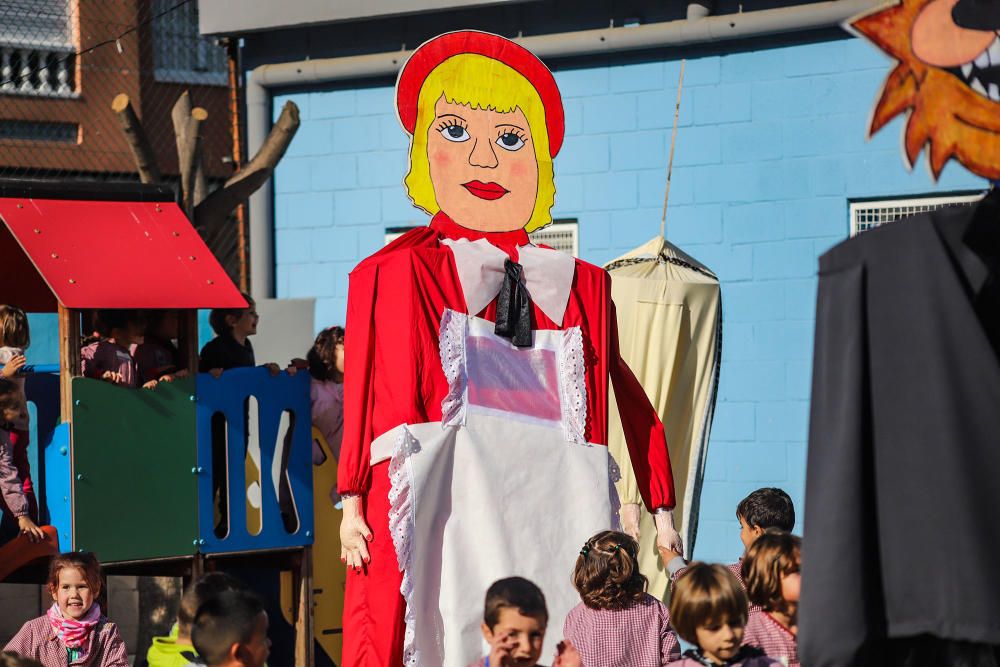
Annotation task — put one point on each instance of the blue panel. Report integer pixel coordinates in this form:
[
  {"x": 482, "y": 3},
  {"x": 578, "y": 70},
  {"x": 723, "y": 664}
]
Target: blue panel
[
  {"x": 274, "y": 395},
  {"x": 42, "y": 392},
  {"x": 59, "y": 486}
]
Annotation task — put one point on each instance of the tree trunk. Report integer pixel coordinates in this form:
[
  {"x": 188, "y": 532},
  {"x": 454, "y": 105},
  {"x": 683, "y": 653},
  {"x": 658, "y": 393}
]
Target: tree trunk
[
  {"x": 159, "y": 598},
  {"x": 145, "y": 160}
]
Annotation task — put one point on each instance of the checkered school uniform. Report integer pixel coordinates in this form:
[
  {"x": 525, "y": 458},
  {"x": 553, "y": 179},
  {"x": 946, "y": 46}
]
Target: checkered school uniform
[
  {"x": 773, "y": 638},
  {"x": 638, "y": 636}
]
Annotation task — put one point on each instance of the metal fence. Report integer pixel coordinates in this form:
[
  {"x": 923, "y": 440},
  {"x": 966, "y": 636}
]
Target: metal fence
[{"x": 65, "y": 66}]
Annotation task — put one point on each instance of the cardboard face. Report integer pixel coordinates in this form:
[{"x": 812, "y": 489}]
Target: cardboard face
[
  {"x": 486, "y": 119},
  {"x": 947, "y": 79}
]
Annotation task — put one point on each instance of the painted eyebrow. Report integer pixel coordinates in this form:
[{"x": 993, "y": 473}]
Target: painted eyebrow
[
  {"x": 509, "y": 125},
  {"x": 452, "y": 115}
]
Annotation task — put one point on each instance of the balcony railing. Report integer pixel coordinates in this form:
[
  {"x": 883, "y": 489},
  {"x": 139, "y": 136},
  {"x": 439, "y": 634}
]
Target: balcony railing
[{"x": 37, "y": 70}]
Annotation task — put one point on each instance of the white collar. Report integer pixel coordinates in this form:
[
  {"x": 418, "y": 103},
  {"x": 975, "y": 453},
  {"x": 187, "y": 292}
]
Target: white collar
[{"x": 548, "y": 275}]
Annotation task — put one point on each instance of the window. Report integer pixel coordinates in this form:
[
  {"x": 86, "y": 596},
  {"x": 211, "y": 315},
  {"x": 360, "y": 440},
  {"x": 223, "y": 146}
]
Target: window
[
  {"x": 36, "y": 47},
  {"x": 393, "y": 233},
  {"x": 561, "y": 235},
  {"x": 180, "y": 53},
  {"x": 26, "y": 130},
  {"x": 870, "y": 214}
]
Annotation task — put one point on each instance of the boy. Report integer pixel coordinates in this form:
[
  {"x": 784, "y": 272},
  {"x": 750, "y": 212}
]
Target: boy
[
  {"x": 764, "y": 508},
  {"x": 230, "y": 630},
  {"x": 176, "y": 650},
  {"x": 514, "y": 621}
]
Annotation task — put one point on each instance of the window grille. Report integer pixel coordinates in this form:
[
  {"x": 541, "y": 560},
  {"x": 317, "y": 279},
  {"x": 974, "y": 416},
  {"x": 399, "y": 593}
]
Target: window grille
[
  {"x": 870, "y": 214},
  {"x": 180, "y": 53},
  {"x": 39, "y": 131},
  {"x": 36, "y": 47},
  {"x": 393, "y": 233},
  {"x": 563, "y": 235}
]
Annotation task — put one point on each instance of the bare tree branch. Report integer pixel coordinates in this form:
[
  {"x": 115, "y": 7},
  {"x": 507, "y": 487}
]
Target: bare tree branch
[
  {"x": 145, "y": 160},
  {"x": 189, "y": 156}
]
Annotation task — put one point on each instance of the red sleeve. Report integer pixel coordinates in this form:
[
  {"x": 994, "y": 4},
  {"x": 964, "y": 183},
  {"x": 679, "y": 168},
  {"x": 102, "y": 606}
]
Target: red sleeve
[
  {"x": 353, "y": 469},
  {"x": 647, "y": 444}
]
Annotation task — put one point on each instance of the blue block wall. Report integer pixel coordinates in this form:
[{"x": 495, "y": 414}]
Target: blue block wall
[{"x": 770, "y": 151}]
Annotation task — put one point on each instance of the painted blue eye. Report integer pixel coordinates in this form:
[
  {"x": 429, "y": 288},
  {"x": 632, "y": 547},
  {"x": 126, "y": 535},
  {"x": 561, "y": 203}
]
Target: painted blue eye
[
  {"x": 510, "y": 141},
  {"x": 455, "y": 133}
]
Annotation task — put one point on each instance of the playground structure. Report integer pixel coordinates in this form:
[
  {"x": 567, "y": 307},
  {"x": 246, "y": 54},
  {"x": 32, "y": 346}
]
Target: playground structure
[{"x": 188, "y": 477}]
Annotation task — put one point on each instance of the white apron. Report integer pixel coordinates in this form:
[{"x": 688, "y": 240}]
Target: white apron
[{"x": 504, "y": 486}]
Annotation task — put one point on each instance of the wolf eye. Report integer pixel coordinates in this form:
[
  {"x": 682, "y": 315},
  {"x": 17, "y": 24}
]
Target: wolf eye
[
  {"x": 454, "y": 132},
  {"x": 510, "y": 141}
]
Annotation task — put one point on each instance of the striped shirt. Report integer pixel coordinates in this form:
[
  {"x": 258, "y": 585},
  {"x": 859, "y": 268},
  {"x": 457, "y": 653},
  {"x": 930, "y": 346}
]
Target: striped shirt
[{"x": 638, "y": 636}]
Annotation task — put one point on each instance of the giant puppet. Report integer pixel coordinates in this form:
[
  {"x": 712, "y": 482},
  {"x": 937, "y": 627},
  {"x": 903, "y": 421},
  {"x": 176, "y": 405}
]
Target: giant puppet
[{"x": 476, "y": 400}]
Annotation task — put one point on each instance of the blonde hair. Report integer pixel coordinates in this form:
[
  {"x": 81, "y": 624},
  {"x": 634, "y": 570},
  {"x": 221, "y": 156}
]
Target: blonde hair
[
  {"x": 705, "y": 594},
  {"x": 480, "y": 82}
]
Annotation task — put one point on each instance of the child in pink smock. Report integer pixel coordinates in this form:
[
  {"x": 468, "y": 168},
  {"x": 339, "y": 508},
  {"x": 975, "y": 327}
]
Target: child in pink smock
[
  {"x": 771, "y": 572},
  {"x": 15, "y": 337},
  {"x": 326, "y": 389},
  {"x": 110, "y": 358},
  {"x": 13, "y": 503}
]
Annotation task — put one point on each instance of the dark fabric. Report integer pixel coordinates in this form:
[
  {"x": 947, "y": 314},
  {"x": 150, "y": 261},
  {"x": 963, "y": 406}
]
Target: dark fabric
[
  {"x": 901, "y": 538},
  {"x": 514, "y": 307},
  {"x": 225, "y": 353},
  {"x": 977, "y": 14}
]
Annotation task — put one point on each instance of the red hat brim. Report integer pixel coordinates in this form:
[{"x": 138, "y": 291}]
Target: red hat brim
[{"x": 435, "y": 51}]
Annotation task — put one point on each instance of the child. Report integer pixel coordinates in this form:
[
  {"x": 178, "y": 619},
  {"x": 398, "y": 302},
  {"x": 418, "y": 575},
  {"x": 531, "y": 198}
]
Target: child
[
  {"x": 15, "y": 337},
  {"x": 176, "y": 650},
  {"x": 771, "y": 572},
  {"x": 73, "y": 632},
  {"x": 13, "y": 501},
  {"x": 709, "y": 608},
  {"x": 231, "y": 347},
  {"x": 110, "y": 358},
  {"x": 157, "y": 357},
  {"x": 617, "y": 623},
  {"x": 764, "y": 508},
  {"x": 326, "y": 366},
  {"x": 13, "y": 660},
  {"x": 230, "y": 630},
  {"x": 514, "y": 620}
]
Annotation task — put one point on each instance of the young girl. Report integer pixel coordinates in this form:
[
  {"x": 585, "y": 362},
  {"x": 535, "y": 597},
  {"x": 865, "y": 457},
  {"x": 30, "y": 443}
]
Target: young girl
[
  {"x": 157, "y": 357},
  {"x": 617, "y": 623},
  {"x": 326, "y": 366},
  {"x": 709, "y": 608},
  {"x": 771, "y": 572},
  {"x": 110, "y": 358},
  {"x": 15, "y": 337},
  {"x": 13, "y": 502},
  {"x": 73, "y": 631}
]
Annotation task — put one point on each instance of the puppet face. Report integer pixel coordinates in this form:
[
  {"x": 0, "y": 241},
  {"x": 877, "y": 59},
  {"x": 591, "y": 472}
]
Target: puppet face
[
  {"x": 482, "y": 166},
  {"x": 947, "y": 79}
]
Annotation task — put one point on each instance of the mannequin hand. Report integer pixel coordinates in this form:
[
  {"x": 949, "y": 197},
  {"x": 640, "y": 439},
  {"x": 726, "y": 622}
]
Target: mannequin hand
[
  {"x": 354, "y": 534},
  {"x": 630, "y": 513},
  {"x": 668, "y": 540}
]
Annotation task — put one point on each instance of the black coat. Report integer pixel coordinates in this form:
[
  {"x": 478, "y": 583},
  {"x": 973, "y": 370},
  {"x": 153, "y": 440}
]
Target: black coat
[{"x": 902, "y": 527}]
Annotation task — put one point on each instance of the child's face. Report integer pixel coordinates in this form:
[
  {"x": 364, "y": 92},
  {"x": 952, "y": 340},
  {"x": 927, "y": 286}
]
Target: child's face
[
  {"x": 719, "y": 641},
  {"x": 246, "y": 323},
  {"x": 748, "y": 533},
  {"x": 338, "y": 357},
  {"x": 73, "y": 594},
  {"x": 790, "y": 586},
  {"x": 523, "y": 634},
  {"x": 255, "y": 652},
  {"x": 11, "y": 414}
]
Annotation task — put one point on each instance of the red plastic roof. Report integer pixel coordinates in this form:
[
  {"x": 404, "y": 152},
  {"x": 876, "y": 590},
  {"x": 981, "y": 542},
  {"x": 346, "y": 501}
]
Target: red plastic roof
[{"x": 106, "y": 254}]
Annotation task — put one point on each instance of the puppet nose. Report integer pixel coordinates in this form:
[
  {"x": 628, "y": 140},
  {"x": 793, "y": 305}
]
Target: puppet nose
[
  {"x": 977, "y": 14},
  {"x": 483, "y": 155}
]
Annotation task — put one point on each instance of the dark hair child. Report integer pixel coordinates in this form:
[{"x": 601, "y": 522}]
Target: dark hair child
[
  {"x": 110, "y": 357},
  {"x": 230, "y": 630},
  {"x": 514, "y": 621}
]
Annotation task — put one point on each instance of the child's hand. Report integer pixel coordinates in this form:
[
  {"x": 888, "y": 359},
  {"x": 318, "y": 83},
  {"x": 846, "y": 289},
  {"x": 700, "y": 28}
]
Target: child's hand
[
  {"x": 15, "y": 364},
  {"x": 500, "y": 652},
  {"x": 183, "y": 373},
  {"x": 273, "y": 368},
  {"x": 113, "y": 377},
  {"x": 291, "y": 370},
  {"x": 299, "y": 362},
  {"x": 150, "y": 385},
  {"x": 166, "y": 378},
  {"x": 567, "y": 655},
  {"x": 29, "y": 528},
  {"x": 215, "y": 372}
]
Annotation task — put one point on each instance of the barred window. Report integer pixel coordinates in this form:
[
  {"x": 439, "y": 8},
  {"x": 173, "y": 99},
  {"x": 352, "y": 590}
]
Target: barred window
[
  {"x": 871, "y": 214},
  {"x": 36, "y": 47},
  {"x": 180, "y": 53},
  {"x": 37, "y": 23},
  {"x": 561, "y": 235}
]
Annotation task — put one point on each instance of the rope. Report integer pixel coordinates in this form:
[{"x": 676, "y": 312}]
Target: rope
[{"x": 670, "y": 161}]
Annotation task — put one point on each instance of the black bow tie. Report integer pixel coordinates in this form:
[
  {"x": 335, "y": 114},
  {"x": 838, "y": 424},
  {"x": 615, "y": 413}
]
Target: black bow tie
[{"x": 514, "y": 307}]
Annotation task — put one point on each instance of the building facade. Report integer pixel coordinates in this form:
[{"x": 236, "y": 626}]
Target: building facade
[{"x": 772, "y": 168}]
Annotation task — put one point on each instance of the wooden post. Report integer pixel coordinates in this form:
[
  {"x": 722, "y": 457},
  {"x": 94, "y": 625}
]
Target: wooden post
[
  {"x": 145, "y": 159},
  {"x": 188, "y": 338},
  {"x": 304, "y": 620},
  {"x": 69, "y": 358}
]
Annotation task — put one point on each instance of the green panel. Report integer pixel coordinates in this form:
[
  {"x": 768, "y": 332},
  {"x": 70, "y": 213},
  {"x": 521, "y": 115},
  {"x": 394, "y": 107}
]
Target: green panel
[{"x": 133, "y": 454}]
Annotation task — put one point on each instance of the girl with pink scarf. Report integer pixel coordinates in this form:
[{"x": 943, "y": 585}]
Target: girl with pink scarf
[{"x": 73, "y": 631}]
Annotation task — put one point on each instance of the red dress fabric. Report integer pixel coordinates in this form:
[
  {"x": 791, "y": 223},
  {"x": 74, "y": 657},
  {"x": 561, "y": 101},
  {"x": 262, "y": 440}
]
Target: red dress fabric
[{"x": 394, "y": 376}]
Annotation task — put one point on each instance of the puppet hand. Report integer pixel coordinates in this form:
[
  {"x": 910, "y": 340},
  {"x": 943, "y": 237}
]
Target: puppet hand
[
  {"x": 354, "y": 534},
  {"x": 667, "y": 538},
  {"x": 630, "y": 513}
]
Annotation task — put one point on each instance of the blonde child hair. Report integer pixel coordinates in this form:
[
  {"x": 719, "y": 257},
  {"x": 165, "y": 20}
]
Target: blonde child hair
[{"x": 480, "y": 82}]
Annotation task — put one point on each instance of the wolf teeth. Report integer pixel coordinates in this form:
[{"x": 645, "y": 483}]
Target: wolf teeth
[
  {"x": 995, "y": 92},
  {"x": 966, "y": 70},
  {"x": 994, "y": 52},
  {"x": 978, "y": 87},
  {"x": 983, "y": 60}
]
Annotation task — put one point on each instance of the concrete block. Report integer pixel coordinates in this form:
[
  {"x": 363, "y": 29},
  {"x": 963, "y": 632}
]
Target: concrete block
[
  {"x": 332, "y": 104},
  {"x": 639, "y": 150},
  {"x": 729, "y": 263},
  {"x": 357, "y": 207},
  {"x": 817, "y": 217},
  {"x": 842, "y": 91},
  {"x": 584, "y": 155},
  {"x": 726, "y": 103},
  {"x": 292, "y": 175},
  {"x": 569, "y": 192},
  {"x": 573, "y": 116},
  {"x": 613, "y": 113},
  {"x": 342, "y": 272},
  {"x": 753, "y": 301},
  {"x": 371, "y": 238},
  {"x": 582, "y": 82},
  {"x": 334, "y": 244},
  {"x": 753, "y": 381},
  {"x": 694, "y": 224},
  {"x": 826, "y": 175},
  {"x": 781, "y": 99},
  {"x": 762, "y": 65},
  {"x": 631, "y": 228},
  {"x": 356, "y": 134},
  {"x": 783, "y": 340},
  {"x": 825, "y": 135},
  {"x": 816, "y": 58},
  {"x": 281, "y": 272},
  {"x": 334, "y": 172},
  {"x": 696, "y": 146},
  {"x": 655, "y": 110},
  {"x": 398, "y": 210},
  {"x": 734, "y": 421},
  {"x": 703, "y": 71},
  {"x": 636, "y": 77},
  {"x": 751, "y": 142},
  {"x": 301, "y": 100},
  {"x": 784, "y": 259},
  {"x": 291, "y": 246},
  {"x": 720, "y": 505},
  {"x": 311, "y": 280},
  {"x": 310, "y": 209},
  {"x": 653, "y": 183},
  {"x": 386, "y": 168},
  {"x": 595, "y": 232},
  {"x": 763, "y": 463},
  {"x": 800, "y": 299},
  {"x": 751, "y": 223},
  {"x": 713, "y": 535},
  {"x": 798, "y": 380},
  {"x": 330, "y": 312},
  {"x": 737, "y": 340},
  {"x": 610, "y": 191},
  {"x": 377, "y": 100},
  {"x": 312, "y": 138}
]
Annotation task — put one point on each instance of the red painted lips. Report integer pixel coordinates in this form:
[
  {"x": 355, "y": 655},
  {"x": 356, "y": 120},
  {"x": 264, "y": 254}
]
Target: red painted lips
[{"x": 485, "y": 190}]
